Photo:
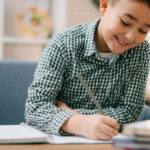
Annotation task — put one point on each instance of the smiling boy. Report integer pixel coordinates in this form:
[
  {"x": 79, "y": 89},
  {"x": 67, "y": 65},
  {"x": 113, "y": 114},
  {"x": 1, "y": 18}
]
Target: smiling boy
[{"x": 113, "y": 58}]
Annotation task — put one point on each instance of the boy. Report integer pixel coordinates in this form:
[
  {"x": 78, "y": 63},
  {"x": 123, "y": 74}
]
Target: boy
[{"x": 113, "y": 59}]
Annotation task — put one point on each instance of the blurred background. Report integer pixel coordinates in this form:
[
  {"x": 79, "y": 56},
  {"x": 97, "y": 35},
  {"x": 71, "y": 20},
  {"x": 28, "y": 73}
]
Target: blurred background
[{"x": 27, "y": 25}]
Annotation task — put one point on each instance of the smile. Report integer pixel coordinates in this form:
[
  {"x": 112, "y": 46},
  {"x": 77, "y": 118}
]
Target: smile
[{"x": 122, "y": 43}]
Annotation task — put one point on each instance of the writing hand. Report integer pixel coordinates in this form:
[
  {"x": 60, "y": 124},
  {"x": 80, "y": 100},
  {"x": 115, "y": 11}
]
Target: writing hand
[{"x": 97, "y": 127}]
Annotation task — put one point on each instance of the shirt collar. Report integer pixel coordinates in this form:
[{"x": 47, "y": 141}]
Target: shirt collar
[
  {"x": 124, "y": 54},
  {"x": 90, "y": 45}
]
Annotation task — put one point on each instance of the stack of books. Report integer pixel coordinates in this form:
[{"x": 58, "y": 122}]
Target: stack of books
[{"x": 137, "y": 136}]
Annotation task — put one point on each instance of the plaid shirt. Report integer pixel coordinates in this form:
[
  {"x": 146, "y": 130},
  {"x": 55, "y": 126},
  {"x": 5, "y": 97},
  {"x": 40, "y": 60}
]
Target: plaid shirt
[{"x": 118, "y": 84}]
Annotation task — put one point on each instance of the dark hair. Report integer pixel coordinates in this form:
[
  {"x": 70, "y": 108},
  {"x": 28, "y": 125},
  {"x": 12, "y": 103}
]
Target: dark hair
[
  {"x": 144, "y": 1},
  {"x": 97, "y": 2}
]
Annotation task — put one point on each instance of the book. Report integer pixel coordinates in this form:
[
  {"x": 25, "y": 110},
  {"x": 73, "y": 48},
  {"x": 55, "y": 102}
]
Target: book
[
  {"x": 141, "y": 128},
  {"x": 22, "y": 133},
  {"x": 130, "y": 142},
  {"x": 136, "y": 146},
  {"x": 138, "y": 136}
]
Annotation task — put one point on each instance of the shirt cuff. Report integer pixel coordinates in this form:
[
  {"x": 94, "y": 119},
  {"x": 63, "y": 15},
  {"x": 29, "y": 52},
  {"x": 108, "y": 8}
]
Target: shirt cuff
[{"x": 58, "y": 122}]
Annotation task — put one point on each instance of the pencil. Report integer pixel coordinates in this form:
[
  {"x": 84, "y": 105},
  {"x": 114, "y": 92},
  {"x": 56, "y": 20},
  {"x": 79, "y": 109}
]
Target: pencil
[{"x": 90, "y": 93}]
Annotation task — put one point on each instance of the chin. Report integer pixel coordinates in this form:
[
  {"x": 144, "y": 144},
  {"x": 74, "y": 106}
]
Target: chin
[{"x": 117, "y": 51}]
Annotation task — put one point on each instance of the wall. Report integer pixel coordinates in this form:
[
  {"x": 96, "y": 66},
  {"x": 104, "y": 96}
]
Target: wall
[
  {"x": 81, "y": 11},
  {"x": 13, "y": 50},
  {"x": 77, "y": 12}
]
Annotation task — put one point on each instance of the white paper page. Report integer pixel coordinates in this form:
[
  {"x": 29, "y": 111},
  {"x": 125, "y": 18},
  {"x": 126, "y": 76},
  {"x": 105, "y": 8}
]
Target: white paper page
[
  {"x": 20, "y": 134},
  {"x": 54, "y": 139},
  {"x": 141, "y": 128},
  {"x": 140, "y": 125}
]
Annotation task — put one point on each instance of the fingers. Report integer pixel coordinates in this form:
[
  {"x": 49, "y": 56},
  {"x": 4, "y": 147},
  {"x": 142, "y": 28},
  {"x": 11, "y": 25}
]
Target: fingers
[
  {"x": 103, "y": 136},
  {"x": 111, "y": 122},
  {"x": 62, "y": 105},
  {"x": 59, "y": 103},
  {"x": 109, "y": 131}
]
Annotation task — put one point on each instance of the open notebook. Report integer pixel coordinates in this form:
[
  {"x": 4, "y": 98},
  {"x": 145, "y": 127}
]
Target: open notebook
[{"x": 23, "y": 133}]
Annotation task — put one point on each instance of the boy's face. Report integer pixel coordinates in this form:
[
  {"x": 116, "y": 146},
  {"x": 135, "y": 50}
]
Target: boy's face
[{"x": 124, "y": 25}]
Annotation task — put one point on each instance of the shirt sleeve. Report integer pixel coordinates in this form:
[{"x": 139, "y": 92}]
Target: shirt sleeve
[
  {"x": 132, "y": 101},
  {"x": 40, "y": 109}
]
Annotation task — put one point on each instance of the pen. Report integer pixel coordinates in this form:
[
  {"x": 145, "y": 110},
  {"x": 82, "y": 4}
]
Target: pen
[{"x": 90, "y": 93}]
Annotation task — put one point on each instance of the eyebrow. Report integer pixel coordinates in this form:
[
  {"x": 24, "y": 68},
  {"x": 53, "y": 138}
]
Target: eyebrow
[
  {"x": 135, "y": 19},
  {"x": 131, "y": 17},
  {"x": 148, "y": 25}
]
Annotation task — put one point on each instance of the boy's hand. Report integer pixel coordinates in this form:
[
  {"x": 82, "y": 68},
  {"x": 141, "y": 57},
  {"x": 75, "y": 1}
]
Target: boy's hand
[{"x": 97, "y": 127}]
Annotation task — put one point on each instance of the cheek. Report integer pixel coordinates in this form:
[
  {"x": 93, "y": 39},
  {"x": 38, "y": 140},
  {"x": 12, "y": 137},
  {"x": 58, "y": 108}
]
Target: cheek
[
  {"x": 115, "y": 29},
  {"x": 140, "y": 39}
]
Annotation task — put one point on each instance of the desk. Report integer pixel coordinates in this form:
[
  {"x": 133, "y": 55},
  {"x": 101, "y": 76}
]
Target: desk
[{"x": 59, "y": 147}]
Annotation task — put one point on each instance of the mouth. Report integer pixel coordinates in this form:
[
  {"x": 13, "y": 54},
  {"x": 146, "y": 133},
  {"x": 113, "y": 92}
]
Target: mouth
[{"x": 121, "y": 43}]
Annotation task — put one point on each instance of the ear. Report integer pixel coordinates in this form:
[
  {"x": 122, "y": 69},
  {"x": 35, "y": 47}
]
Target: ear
[{"x": 103, "y": 6}]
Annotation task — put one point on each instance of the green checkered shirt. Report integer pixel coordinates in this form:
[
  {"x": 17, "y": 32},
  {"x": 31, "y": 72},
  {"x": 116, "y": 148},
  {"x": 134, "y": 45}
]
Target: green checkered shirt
[{"x": 118, "y": 84}]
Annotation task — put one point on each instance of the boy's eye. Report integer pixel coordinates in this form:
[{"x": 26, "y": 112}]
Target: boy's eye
[
  {"x": 124, "y": 23},
  {"x": 141, "y": 31}
]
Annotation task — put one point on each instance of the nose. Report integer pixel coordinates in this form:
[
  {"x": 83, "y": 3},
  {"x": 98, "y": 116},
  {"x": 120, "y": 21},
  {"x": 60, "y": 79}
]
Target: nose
[{"x": 131, "y": 36}]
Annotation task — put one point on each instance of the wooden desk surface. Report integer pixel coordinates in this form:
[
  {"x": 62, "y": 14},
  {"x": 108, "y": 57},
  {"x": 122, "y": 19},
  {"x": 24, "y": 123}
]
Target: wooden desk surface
[{"x": 59, "y": 147}]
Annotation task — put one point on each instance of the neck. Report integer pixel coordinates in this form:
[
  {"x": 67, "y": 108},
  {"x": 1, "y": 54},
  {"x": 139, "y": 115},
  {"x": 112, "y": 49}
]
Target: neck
[{"x": 100, "y": 43}]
